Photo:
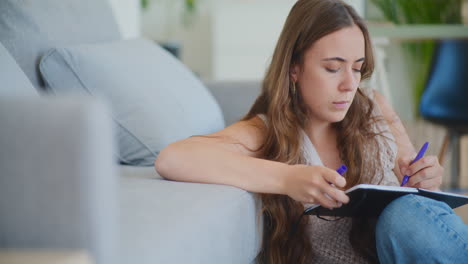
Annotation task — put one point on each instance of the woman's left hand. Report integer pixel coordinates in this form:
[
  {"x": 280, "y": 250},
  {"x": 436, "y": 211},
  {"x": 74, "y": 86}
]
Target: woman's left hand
[{"x": 425, "y": 173}]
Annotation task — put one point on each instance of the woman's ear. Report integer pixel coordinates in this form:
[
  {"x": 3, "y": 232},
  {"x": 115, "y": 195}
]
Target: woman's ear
[{"x": 294, "y": 72}]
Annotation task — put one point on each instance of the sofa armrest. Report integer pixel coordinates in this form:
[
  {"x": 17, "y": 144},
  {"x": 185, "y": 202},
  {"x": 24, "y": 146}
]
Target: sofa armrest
[
  {"x": 179, "y": 222},
  {"x": 58, "y": 184},
  {"x": 234, "y": 97}
]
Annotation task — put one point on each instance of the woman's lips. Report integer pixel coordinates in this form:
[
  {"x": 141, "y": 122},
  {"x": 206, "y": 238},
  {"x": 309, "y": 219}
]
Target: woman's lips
[{"x": 341, "y": 104}]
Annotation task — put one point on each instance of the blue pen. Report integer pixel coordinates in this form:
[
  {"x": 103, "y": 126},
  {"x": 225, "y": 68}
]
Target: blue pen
[{"x": 418, "y": 157}]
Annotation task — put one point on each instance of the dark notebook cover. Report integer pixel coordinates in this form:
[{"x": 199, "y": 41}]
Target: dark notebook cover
[{"x": 368, "y": 200}]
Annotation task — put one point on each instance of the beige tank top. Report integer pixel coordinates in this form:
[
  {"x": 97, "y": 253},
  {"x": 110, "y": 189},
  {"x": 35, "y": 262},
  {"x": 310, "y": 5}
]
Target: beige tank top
[{"x": 330, "y": 240}]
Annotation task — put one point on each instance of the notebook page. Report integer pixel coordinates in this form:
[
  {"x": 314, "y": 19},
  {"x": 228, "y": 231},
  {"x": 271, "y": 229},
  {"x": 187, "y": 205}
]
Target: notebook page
[{"x": 383, "y": 188}]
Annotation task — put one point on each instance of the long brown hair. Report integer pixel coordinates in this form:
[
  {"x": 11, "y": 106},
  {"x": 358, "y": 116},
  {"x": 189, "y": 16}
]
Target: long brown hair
[{"x": 286, "y": 114}]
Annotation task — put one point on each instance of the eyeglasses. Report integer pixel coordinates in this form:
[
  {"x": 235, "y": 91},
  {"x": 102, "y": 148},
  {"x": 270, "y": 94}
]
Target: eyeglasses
[
  {"x": 327, "y": 217},
  {"x": 322, "y": 217}
]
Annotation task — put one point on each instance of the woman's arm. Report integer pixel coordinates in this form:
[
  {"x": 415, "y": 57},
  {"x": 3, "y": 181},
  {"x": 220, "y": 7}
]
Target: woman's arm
[
  {"x": 425, "y": 173},
  {"x": 229, "y": 157},
  {"x": 225, "y": 157}
]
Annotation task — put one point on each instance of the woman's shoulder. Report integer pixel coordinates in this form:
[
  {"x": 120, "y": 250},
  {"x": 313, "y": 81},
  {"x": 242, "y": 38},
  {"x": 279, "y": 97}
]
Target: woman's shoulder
[
  {"x": 253, "y": 127},
  {"x": 248, "y": 135}
]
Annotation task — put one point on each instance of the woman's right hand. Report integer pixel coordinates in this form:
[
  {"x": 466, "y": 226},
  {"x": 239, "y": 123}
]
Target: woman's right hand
[{"x": 316, "y": 184}]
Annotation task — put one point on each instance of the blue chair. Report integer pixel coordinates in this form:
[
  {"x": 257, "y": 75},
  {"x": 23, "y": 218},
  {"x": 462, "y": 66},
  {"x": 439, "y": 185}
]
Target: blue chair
[{"x": 445, "y": 99}]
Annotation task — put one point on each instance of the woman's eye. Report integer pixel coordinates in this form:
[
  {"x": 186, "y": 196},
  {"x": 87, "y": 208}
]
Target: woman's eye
[
  {"x": 357, "y": 70},
  {"x": 332, "y": 70}
]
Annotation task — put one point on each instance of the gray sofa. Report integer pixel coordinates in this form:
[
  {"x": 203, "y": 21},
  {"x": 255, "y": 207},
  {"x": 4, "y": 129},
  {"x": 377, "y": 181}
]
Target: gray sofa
[{"x": 61, "y": 185}]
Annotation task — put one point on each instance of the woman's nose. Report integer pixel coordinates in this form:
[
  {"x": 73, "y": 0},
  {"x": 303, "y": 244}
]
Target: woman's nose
[{"x": 350, "y": 81}]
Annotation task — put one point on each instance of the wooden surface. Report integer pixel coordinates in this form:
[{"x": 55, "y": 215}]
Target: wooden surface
[
  {"x": 34, "y": 256},
  {"x": 420, "y": 131},
  {"x": 464, "y": 162},
  {"x": 463, "y": 212}
]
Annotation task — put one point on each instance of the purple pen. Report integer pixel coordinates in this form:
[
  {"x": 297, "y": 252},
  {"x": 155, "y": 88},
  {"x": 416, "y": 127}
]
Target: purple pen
[
  {"x": 418, "y": 157},
  {"x": 342, "y": 169}
]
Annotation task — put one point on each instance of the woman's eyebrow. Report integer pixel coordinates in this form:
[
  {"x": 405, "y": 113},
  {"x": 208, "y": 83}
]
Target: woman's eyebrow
[{"x": 341, "y": 59}]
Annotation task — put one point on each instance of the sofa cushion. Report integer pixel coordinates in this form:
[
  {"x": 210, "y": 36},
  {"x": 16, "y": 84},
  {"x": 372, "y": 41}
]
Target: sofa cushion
[
  {"x": 28, "y": 28},
  {"x": 14, "y": 82},
  {"x": 235, "y": 97},
  {"x": 138, "y": 172},
  {"x": 156, "y": 100}
]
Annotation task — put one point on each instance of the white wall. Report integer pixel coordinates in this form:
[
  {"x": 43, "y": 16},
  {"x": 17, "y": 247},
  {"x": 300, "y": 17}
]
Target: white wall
[
  {"x": 244, "y": 37},
  {"x": 400, "y": 73},
  {"x": 359, "y": 6},
  {"x": 128, "y": 16},
  {"x": 228, "y": 39}
]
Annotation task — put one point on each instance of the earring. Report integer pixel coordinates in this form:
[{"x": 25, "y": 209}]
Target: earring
[{"x": 294, "y": 88}]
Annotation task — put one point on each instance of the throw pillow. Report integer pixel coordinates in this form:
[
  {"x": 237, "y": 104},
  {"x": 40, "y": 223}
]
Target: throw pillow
[
  {"x": 14, "y": 82},
  {"x": 155, "y": 99}
]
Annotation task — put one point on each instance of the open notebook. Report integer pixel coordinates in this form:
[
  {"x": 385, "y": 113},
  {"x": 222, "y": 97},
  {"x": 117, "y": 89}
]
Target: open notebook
[{"x": 369, "y": 200}]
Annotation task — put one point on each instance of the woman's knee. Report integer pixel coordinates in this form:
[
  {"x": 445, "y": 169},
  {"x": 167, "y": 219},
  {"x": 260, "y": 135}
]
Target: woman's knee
[
  {"x": 406, "y": 214},
  {"x": 396, "y": 218},
  {"x": 412, "y": 221}
]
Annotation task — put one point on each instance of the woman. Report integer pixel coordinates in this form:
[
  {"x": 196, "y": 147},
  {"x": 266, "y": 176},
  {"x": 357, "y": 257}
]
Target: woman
[{"x": 310, "y": 118}]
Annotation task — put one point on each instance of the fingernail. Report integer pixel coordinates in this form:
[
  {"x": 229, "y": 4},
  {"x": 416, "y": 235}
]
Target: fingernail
[{"x": 341, "y": 181}]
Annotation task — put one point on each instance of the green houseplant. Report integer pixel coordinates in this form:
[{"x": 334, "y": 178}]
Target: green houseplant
[
  {"x": 189, "y": 7},
  {"x": 420, "y": 12},
  {"x": 189, "y": 4}
]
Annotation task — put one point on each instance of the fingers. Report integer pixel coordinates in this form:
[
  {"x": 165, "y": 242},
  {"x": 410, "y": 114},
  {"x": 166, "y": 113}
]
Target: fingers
[
  {"x": 334, "y": 178},
  {"x": 431, "y": 184},
  {"x": 316, "y": 184},
  {"x": 426, "y": 178},
  {"x": 326, "y": 195},
  {"x": 403, "y": 164},
  {"x": 426, "y": 173},
  {"x": 423, "y": 163},
  {"x": 336, "y": 194},
  {"x": 326, "y": 201}
]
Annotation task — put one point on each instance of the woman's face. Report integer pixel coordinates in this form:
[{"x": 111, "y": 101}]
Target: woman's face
[{"x": 330, "y": 74}]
